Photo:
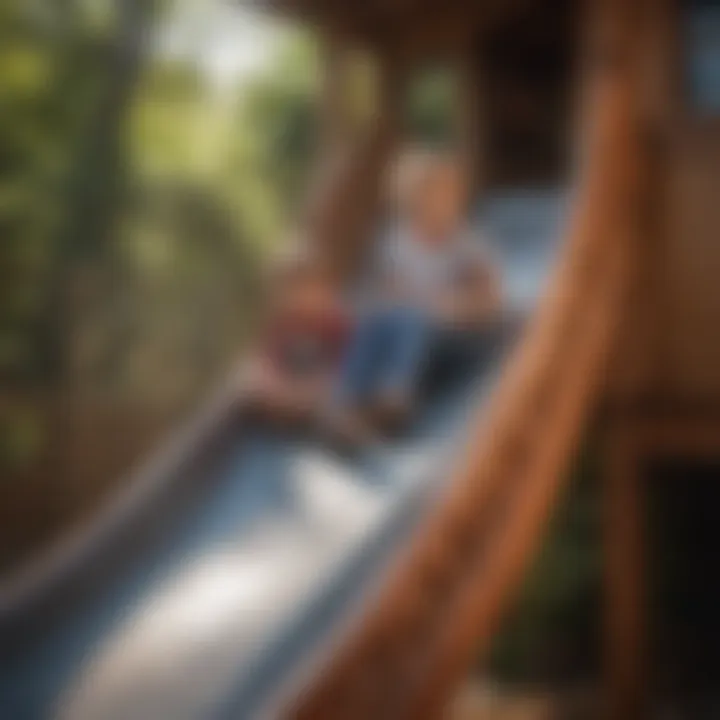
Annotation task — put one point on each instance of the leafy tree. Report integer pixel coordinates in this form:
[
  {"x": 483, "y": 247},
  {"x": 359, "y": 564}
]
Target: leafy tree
[
  {"x": 67, "y": 71},
  {"x": 277, "y": 134},
  {"x": 430, "y": 107}
]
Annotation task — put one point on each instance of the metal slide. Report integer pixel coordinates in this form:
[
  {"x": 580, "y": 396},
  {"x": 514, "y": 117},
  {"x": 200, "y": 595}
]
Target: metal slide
[{"x": 223, "y": 576}]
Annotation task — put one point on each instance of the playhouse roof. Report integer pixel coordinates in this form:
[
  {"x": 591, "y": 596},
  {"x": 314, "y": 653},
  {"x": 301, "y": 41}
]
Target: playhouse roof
[{"x": 387, "y": 20}]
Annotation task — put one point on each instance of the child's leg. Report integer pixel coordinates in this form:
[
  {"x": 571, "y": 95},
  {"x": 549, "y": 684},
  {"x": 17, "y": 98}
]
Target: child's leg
[
  {"x": 410, "y": 333},
  {"x": 359, "y": 372}
]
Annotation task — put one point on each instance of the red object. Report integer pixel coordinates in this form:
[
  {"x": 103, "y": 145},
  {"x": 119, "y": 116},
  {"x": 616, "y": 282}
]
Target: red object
[{"x": 307, "y": 344}]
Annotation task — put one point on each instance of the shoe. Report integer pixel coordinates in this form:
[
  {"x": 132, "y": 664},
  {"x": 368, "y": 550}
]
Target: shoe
[
  {"x": 348, "y": 431},
  {"x": 392, "y": 412}
]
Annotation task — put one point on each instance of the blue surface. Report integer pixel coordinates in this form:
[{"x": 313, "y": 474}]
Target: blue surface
[
  {"x": 702, "y": 55},
  {"x": 93, "y": 661}
]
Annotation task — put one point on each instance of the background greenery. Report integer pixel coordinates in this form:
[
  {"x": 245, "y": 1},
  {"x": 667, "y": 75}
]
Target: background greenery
[
  {"x": 138, "y": 202},
  {"x": 552, "y": 634}
]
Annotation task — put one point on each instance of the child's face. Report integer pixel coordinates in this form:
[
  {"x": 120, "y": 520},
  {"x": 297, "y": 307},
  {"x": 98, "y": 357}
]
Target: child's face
[{"x": 440, "y": 204}]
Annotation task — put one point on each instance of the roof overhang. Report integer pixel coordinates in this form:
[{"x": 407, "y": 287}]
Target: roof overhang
[{"x": 392, "y": 23}]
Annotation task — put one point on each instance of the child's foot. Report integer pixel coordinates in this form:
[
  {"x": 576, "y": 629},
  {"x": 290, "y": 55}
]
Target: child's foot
[
  {"x": 349, "y": 430},
  {"x": 294, "y": 417},
  {"x": 273, "y": 413}
]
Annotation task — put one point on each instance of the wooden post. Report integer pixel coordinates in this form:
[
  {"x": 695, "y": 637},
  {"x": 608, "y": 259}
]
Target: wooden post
[
  {"x": 344, "y": 208},
  {"x": 618, "y": 36},
  {"x": 470, "y": 120},
  {"x": 375, "y": 153},
  {"x": 334, "y": 120},
  {"x": 624, "y": 540}
]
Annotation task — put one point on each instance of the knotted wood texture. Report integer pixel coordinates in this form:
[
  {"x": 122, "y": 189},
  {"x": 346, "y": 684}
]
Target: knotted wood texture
[{"x": 441, "y": 605}]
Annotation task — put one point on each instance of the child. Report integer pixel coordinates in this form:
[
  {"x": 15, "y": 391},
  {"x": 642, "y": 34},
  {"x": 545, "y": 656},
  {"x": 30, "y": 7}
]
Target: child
[
  {"x": 301, "y": 345},
  {"x": 433, "y": 283}
]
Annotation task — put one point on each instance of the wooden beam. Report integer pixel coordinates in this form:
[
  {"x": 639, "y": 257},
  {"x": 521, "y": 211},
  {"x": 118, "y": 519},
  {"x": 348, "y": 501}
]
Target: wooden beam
[
  {"x": 344, "y": 205},
  {"x": 625, "y": 567},
  {"x": 438, "y": 31},
  {"x": 471, "y": 118},
  {"x": 422, "y": 28},
  {"x": 618, "y": 38},
  {"x": 334, "y": 119}
]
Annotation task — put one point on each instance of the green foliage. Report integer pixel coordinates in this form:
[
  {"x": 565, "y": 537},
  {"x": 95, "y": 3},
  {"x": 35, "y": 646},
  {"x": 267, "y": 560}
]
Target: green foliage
[
  {"x": 32, "y": 154},
  {"x": 169, "y": 118},
  {"x": 96, "y": 155},
  {"x": 430, "y": 107},
  {"x": 276, "y": 129},
  {"x": 551, "y": 635}
]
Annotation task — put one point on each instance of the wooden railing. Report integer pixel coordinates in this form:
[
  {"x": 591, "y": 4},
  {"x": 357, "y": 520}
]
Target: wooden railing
[{"x": 441, "y": 604}]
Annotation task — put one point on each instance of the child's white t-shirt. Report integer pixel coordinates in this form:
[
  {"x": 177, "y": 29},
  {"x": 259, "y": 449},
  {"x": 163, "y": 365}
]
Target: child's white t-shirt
[{"x": 421, "y": 271}]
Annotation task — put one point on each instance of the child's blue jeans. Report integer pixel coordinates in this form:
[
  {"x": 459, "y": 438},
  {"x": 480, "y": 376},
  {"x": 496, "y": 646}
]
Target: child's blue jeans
[{"x": 387, "y": 355}]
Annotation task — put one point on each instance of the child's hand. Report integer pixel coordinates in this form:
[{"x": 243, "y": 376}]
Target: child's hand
[
  {"x": 449, "y": 309},
  {"x": 254, "y": 377},
  {"x": 396, "y": 292}
]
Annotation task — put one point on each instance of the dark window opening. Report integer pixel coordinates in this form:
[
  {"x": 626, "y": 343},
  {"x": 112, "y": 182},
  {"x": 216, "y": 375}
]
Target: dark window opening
[
  {"x": 528, "y": 66},
  {"x": 702, "y": 62},
  {"x": 684, "y": 588}
]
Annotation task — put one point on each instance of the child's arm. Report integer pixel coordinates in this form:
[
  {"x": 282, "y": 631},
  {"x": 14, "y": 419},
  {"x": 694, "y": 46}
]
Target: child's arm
[
  {"x": 476, "y": 297},
  {"x": 483, "y": 294}
]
